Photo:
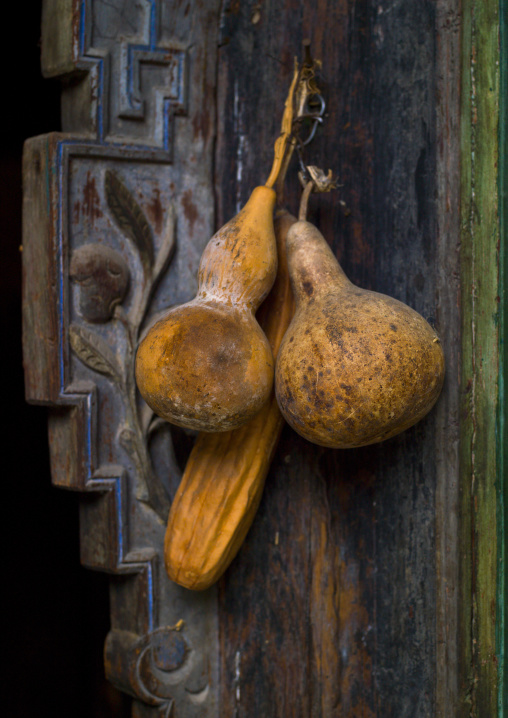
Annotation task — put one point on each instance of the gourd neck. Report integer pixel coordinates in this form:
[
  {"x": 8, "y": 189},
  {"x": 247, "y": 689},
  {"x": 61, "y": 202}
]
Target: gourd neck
[
  {"x": 240, "y": 261},
  {"x": 313, "y": 267}
]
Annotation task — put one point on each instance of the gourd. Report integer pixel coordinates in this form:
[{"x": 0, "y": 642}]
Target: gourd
[
  {"x": 355, "y": 367},
  {"x": 223, "y": 481},
  {"x": 207, "y": 365}
]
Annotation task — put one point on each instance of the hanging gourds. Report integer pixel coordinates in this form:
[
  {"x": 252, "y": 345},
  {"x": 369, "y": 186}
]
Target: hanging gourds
[{"x": 354, "y": 367}]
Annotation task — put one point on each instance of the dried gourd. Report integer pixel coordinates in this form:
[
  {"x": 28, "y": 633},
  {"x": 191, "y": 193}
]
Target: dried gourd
[
  {"x": 223, "y": 481},
  {"x": 206, "y": 364},
  {"x": 355, "y": 367}
]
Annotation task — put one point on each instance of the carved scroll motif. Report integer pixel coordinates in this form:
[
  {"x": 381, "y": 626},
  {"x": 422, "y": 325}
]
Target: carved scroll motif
[
  {"x": 129, "y": 80},
  {"x": 158, "y": 667},
  {"x": 113, "y": 231}
]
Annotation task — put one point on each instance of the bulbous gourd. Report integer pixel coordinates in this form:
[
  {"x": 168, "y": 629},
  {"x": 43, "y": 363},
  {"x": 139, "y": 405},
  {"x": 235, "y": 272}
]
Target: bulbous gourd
[
  {"x": 207, "y": 365},
  {"x": 355, "y": 367}
]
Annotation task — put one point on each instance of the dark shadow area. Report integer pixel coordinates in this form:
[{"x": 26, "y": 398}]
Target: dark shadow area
[{"x": 57, "y": 613}]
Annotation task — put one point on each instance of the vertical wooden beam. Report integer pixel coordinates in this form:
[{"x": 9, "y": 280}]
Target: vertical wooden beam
[
  {"x": 502, "y": 432},
  {"x": 342, "y": 552},
  {"x": 480, "y": 356},
  {"x": 448, "y": 67}
]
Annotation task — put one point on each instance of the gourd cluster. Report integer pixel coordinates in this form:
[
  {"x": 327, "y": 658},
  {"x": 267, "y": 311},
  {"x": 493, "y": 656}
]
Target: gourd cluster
[
  {"x": 351, "y": 367},
  {"x": 355, "y": 367}
]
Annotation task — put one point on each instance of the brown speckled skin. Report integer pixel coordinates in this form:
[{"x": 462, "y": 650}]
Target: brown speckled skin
[
  {"x": 206, "y": 365},
  {"x": 355, "y": 367}
]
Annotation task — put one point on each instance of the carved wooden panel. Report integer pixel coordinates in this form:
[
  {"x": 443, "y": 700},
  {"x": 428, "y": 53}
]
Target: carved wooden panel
[{"x": 116, "y": 218}]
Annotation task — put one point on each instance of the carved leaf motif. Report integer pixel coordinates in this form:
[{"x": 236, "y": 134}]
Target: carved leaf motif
[
  {"x": 94, "y": 352},
  {"x": 128, "y": 441},
  {"x": 130, "y": 218}
]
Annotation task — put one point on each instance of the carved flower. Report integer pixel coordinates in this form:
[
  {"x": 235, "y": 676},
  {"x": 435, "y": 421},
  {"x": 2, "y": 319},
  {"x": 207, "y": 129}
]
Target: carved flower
[{"x": 103, "y": 277}]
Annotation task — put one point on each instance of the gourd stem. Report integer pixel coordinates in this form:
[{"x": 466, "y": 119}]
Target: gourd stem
[
  {"x": 279, "y": 184},
  {"x": 284, "y": 138},
  {"x": 302, "y": 213},
  {"x": 302, "y": 87}
]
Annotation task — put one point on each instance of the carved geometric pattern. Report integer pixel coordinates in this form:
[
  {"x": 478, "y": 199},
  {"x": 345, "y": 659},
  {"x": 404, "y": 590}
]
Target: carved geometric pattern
[{"x": 135, "y": 83}]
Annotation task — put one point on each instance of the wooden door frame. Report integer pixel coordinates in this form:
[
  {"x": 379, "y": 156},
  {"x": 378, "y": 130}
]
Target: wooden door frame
[{"x": 482, "y": 628}]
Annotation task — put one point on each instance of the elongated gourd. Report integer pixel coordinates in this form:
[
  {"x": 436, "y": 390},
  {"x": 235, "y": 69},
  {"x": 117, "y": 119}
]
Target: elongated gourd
[
  {"x": 355, "y": 367},
  {"x": 223, "y": 481},
  {"x": 206, "y": 364}
]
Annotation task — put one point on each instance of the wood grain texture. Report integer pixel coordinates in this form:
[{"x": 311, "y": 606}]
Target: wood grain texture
[
  {"x": 447, "y": 316},
  {"x": 60, "y": 37},
  {"x": 502, "y": 418},
  {"x": 480, "y": 297},
  {"x": 40, "y": 273},
  {"x": 338, "y": 624}
]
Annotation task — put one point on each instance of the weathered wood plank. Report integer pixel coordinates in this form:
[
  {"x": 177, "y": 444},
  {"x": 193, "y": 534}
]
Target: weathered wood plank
[
  {"x": 448, "y": 60},
  {"x": 41, "y": 295},
  {"x": 480, "y": 356},
  {"x": 502, "y": 418},
  {"x": 361, "y": 562},
  {"x": 60, "y": 37}
]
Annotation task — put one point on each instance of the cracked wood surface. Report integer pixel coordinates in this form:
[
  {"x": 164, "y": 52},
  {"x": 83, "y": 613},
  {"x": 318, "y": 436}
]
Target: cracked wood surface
[{"x": 328, "y": 608}]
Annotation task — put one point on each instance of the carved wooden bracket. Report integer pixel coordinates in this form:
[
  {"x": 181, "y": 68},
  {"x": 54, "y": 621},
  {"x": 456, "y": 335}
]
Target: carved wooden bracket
[{"x": 108, "y": 242}]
